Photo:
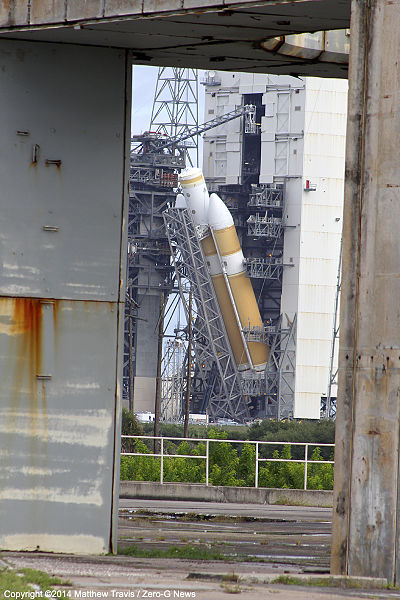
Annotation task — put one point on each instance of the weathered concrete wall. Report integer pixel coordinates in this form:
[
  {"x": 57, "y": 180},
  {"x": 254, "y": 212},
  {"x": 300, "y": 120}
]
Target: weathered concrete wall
[
  {"x": 63, "y": 143},
  {"x": 365, "y": 537},
  {"x": 202, "y": 493},
  {"x": 40, "y": 12}
]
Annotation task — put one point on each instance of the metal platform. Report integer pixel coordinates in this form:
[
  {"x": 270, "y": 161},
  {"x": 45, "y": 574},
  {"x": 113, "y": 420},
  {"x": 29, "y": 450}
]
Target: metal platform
[
  {"x": 264, "y": 268},
  {"x": 264, "y": 226}
]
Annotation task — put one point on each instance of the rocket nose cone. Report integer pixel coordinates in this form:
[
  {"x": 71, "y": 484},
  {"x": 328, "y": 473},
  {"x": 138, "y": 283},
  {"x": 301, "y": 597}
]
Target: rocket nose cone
[
  {"x": 218, "y": 215},
  {"x": 180, "y": 201},
  {"x": 196, "y": 195}
]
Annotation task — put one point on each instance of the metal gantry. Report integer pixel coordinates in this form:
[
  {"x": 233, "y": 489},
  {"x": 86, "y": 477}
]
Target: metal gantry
[
  {"x": 173, "y": 379},
  {"x": 265, "y": 268},
  {"x": 329, "y": 410},
  {"x": 266, "y": 196},
  {"x": 211, "y": 345},
  {"x": 175, "y": 106},
  {"x": 280, "y": 371},
  {"x": 153, "y": 179},
  {"x": 264, "y": 226}
]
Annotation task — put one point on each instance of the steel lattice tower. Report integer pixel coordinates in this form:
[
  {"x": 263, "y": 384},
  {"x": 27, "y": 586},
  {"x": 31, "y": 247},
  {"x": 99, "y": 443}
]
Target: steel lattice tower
[
  {"x": 153, "y": 179},
  {"x": 175, "y": 106}
]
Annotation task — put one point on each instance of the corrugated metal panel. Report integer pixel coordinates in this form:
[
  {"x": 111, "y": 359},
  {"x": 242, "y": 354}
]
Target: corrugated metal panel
[
  {"x": 313, "y": 352},
  {"x": 315, "y": 299},
  {"x": 307, "y": 406},
  {"x": 321, "y": 224},
  {"x": 321, "y": 271},
  {"x": 320, "y": 244},
  {"x": 316, "y": 326}
]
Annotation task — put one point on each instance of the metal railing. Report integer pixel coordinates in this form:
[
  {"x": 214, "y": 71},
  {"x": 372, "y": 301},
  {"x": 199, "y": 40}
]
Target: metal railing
[{"x": 258, "y": 459}]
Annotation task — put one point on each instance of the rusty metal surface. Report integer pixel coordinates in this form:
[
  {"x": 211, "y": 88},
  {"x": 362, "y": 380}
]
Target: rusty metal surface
[
  {"x": 229, "y": 35},
  {"x": 56, "y": 424},
  {"x": 366, "y": 497},
  {"x": 64, "y": 123}
]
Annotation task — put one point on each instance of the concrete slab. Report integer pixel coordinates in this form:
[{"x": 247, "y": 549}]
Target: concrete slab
[
  {"x": 240, "y": 495},
  {"x": 111, "y": 577},
  {"x": 227, "y": 34}
]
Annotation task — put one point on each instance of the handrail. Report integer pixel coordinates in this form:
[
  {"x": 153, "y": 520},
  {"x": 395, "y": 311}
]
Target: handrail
[{"x": 162, "y": 455}]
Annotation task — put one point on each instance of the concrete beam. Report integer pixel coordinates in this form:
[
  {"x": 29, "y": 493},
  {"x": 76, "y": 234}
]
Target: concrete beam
[
  {"x": 39, "y": 12},
  {"x": 224, "y": 35},
  {"x": 366, "y": 496}
]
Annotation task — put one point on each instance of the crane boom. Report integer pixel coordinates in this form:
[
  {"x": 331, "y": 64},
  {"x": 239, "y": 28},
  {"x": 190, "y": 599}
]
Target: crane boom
[{"x": 248, "y": 109}]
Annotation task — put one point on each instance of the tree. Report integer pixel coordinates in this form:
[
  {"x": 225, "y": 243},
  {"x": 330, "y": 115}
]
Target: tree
[{"x": 130, "y": 426}]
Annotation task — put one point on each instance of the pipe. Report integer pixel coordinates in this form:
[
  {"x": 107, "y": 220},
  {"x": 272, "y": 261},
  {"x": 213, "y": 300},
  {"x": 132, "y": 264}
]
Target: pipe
[{"x": 232, "y": 260}]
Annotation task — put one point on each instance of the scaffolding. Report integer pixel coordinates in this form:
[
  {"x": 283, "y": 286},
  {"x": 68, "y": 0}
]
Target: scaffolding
[
  {"x": 173, "y": 379},
  {"x": 221, "y": 379},
  {"x": 264, "y": 268},
  {"x": 264, "y": 226},
  {"x": 280, "y": 371},
  {"x": 266, "y": 196}
]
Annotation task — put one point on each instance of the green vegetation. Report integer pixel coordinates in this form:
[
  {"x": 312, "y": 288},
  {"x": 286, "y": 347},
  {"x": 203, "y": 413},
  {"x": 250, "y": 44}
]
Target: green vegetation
[
  {"x": 24, "y": 579},
  {"x": 191, "y": 552},
  {"x": 230, "y": 464},
  {"x": 130, "y": 426},
  {"x": 231, "y": 589},
  {"x": 321, "y": 432},
  {"x": 289, "y": 580},
  {"x": 331, "y": 582}
]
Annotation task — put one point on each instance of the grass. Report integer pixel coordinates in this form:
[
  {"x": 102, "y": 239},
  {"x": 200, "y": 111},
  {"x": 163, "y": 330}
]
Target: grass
[
  {"x": 230, "y": 577},
  {"x": 189, "y": 552},
  {"x": 23, "y": 579},
  {"x": 195, "y": 552},
  {"x": 322, "y": 582},
  {"x": 231, "y": 589}
]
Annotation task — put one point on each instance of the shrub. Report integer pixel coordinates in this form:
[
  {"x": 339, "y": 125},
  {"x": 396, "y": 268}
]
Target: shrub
[
  {"x": 234, "y": 464},
  {"x": 129, "y": 426}
]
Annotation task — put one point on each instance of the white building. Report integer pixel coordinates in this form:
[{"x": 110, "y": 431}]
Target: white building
[{"x": 300, "y": 143}]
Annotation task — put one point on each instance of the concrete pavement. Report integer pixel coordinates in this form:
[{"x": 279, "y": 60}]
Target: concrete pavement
[{"x": 128, "y": 577}]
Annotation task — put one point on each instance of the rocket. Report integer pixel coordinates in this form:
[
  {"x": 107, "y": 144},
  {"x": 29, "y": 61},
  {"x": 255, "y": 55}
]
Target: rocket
[{"x": 225, "y": 261}]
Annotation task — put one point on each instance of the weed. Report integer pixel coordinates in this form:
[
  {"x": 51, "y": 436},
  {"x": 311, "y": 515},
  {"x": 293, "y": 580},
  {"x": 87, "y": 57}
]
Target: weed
[
  {"x": 189, "y": 551},
  {"x": 23, "y": 579},
  {"x": 288, "y": 580},
  {"x": 231, "y": 589},
  {"x": 230, "y": 577}
]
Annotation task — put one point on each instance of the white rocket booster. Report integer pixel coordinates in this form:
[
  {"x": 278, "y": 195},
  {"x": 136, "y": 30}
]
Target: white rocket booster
[{"x": 225, "y": 261}]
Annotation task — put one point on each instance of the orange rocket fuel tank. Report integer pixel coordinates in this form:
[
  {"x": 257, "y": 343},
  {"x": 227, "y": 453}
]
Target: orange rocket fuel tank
[
  {"x": 224, "y": 232},
  {"x": 225, "y": 303},
  {"x": 233, "y": 289}
]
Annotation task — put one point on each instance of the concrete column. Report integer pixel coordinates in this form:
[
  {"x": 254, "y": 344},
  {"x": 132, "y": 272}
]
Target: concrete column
[{"x": 366, "y": 496}]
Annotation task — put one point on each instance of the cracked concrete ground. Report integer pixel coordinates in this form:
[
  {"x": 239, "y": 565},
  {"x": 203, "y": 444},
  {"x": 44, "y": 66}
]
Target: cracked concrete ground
[{"x": 142, "y": 522}]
